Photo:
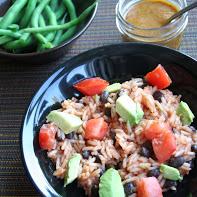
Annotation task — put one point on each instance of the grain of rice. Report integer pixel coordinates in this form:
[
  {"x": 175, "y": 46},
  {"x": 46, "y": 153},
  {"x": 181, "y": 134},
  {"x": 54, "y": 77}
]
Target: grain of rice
[
  {"x": 162, "y": 183},
  {"x": 160, "y": 178},
  {"x": 173, "y": 188}
]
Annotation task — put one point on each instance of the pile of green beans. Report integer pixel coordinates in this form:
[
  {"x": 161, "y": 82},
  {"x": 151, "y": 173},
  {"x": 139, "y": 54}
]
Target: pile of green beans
[{"x": 39, "y": 25}]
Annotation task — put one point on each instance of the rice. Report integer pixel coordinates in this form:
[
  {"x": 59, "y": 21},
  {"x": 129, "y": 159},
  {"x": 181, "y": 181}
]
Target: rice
[{"x": 125, "y": 150}]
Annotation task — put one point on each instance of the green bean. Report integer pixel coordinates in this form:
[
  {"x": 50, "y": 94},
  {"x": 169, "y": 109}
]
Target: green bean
[
  {"x": 72, "y": 23},
  {"x": 68, "y": 34},
  {"x": 52, "y": 21},
  {"x": 6, "y": 32},
  {"x": 72, "y": 12},
  {"x": 26, "y": 40},
  {"x": 5, "y": 39},
  {"x": 28, "y": 12},
  {"x": 42, "y": 22},
  {"x": 12, "y": 13},
  {"x": 61, "y": 11},
  {"x": 13, "y": 27},
  {"x": 71, "y": 9},
  {"x": 43, "y": 40},
  {"x": 54, "y": 4},
  {"x": 59, "y": 33},
  {"x": 19, "y": 17},
  {"x": 35, "y": 19}
]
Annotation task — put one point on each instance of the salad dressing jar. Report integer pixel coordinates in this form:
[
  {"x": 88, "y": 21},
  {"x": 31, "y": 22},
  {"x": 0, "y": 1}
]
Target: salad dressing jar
[{"x": 144, "y": 21}]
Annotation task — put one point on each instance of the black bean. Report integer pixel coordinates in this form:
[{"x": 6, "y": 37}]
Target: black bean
[
  {"x": 118, "y": 165},
  {"x": 113, "y": 136},
  {"x": 144, "y": 83},
  {"x": 104, "y": 96},
  {"x": 102, "y": 171},
  {"x": 147, "y": 144},
  {"x": 194, "y": 148},
  {"x": 191, "y": 163},
  {"x": 193, "y": 129},
  {"x": 60, "y": 136},
  {"x": 108, "y": 166},
  {"x": 176, "y": 161},
  {"x": 158, "y": 95},
  {"x": 95, "y": 191},
  {"x": 70, "y": 135},
  {"x": 107, "y": 111},
  {"x": 85, "y": 154},
  {"x": 77, "y": 95},
  {"x": 147, "y": 150},
  {"x": 173, "y": 130},
  {"x": 154, "y": 172},
  {"x": 98, "y": 160},
  {"x": 170, "y": 183},
  {"x": 119, "y": 94},
  {"x": 129, "y": 189}
]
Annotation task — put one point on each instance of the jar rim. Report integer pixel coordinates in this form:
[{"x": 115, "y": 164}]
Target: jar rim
[{"x": 174, "y": 22}]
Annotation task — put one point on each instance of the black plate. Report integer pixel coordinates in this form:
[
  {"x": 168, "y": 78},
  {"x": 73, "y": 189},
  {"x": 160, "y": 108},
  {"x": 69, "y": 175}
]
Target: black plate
[{"x": 113, "y": 63}]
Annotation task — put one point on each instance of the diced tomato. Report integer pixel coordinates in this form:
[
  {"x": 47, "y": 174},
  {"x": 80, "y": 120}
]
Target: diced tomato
[
  {"x": 155, "y": 129},
  {"x": 164, "y": 146},
  {"x": 163, "y": 140},
  {"x": 92, "y": 86},
  {"x": 158, "y": 77},
  {"x": 96, "y": 129},
  {"x": 149, "y": 187},
  {"x": 47, "y": 139}
]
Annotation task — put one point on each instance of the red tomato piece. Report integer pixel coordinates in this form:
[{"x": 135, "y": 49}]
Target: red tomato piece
[
  {"x": 155, "y": 129},
  {"x": 96, "y": 129},
  {"x": 164, "y": 146},
  {"x": 149, "y": 187},
  {"x": 47, "y": 139},
  {"x": 92, "y": 86},
  {"x": 158, "y": 77}
]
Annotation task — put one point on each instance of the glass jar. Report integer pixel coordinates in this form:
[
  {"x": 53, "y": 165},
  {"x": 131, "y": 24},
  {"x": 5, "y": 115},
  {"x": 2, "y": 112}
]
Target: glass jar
[{"x": 169, "y": 35}]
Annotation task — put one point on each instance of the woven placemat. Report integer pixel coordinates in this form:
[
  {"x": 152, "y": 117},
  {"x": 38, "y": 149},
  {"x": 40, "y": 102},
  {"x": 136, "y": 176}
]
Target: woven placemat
[{"x": 19, "y": 82}]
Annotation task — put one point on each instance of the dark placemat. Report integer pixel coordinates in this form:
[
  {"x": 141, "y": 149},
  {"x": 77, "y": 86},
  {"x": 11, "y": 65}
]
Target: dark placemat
[{"x": 19, "y": 82}]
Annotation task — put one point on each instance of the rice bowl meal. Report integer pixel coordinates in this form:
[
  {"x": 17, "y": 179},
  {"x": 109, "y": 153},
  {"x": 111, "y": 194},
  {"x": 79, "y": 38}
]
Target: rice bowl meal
[{"x": 129, "y": 139}]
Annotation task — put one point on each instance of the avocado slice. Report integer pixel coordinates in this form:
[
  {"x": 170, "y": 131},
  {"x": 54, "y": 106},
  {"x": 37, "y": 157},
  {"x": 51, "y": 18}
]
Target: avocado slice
[
  {"x": 66, "y": 122},
  {"x": 185, "y": 113},
  {"x": 129, "y": 110},
  {"x": 139, "y": 112},
  {"x": 115, "y": 87},
  {"x": 170, "y": 172},
  {"x": 73, "y": 167},
  {"x": 110, "y": 184}
]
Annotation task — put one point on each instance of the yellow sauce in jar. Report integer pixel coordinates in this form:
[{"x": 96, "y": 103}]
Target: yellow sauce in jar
[
  {"x": 151, "y": 13},
  {"x": 145, "y": 15}
]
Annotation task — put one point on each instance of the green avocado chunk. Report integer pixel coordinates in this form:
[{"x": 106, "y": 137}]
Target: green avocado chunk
[
  {"x": 72, "y": 169},
  {"x": 115, "y": 87},
  {"x": 129, "y": 110},
  {"x": 185, "y": 113},
  {"x": 66, "y": 122},
  {"x": 110, "y": 184},
  {"x": 170, "y": 172}
]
